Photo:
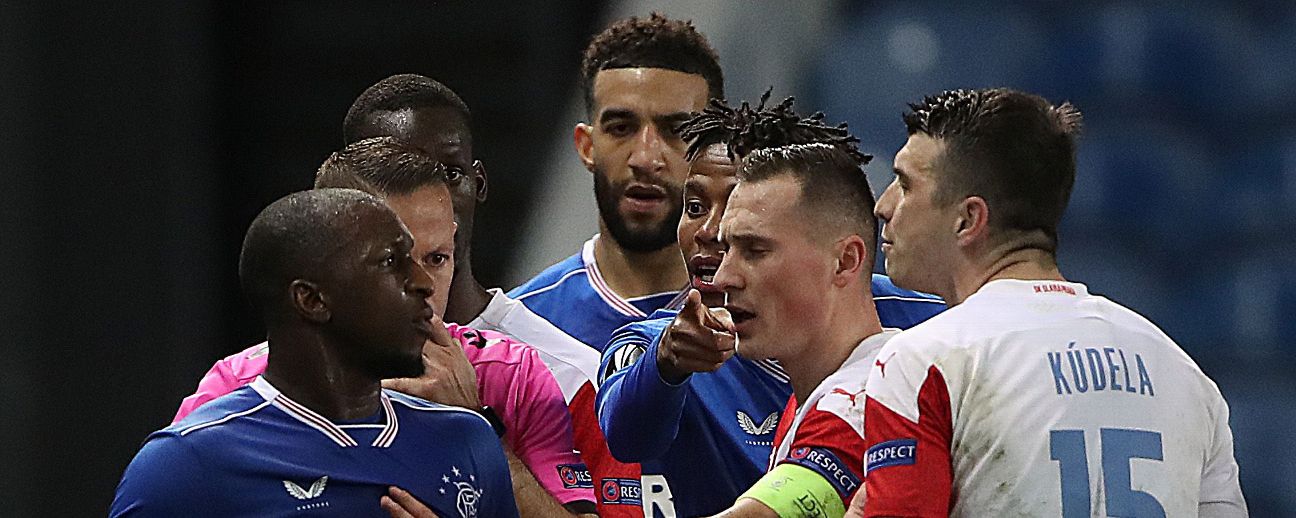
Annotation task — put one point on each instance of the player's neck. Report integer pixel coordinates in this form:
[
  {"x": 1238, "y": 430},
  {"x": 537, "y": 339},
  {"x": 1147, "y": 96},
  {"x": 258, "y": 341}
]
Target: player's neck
[
  {"x": 468, "y": 299},
  {"x": 825, "y": 351},
  {"x": 636, "y": 274},
  {"x": 308, "y": 371},
  {"x": 1029, "y": 264}
]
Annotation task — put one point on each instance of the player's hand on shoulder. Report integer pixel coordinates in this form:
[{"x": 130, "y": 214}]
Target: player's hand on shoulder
[
  {"x": 400, "y": 504},
  {"x": 700, "y": 339},
  {"x": 448, "y": 377}
]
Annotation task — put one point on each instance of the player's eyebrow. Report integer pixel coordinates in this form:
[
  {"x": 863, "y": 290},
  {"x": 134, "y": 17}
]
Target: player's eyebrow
[
  {"x": 616, "y": 113},
  {"x": 745, "y": 238},
  {"x": 670, "y": 121}
]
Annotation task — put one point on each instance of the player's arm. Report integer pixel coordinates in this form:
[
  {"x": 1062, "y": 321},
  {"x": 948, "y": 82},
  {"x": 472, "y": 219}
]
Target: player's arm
[
  {"x": 637, "y": 410},
  {"x": 544, "y": 445},
  {"x": 535, "y": 500},
  {"x": 908, "y": 429},
  {"x": 1221, "y": 493},
  {"x": 788, "y": 491},
  {"x": 639, "y": 405},
  {"x": 165, "y": 478}
]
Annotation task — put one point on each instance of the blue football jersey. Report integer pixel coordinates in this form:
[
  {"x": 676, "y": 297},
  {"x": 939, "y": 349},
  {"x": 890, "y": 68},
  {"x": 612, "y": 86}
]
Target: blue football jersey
[
  {"x": 574, "y": 297},
  {"x": 255, "y": 452},
  {"x": 707, "y": 440}
]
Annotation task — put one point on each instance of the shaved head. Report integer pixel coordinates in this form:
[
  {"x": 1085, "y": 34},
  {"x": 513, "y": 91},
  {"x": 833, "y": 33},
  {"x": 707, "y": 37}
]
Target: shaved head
[{"x": 298, "y": 237}]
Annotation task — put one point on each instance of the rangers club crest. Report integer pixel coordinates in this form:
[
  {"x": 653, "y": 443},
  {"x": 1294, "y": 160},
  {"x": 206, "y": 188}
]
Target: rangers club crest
[{"x": 466, "y": 493}]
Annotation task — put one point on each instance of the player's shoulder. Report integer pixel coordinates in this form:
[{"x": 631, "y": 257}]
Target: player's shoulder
[
  {"x": 555, "y": 277},
  {"x": 884, "y": 289},
  {"x": 642, "y": 331},
  {"x": 217, "y": 416},
  {"x": 424, "y": 410},
  {"x": 247, "y": 364},
  {"x": 841, "y": 392},
  {"x": 629, "y": 342},
  {"x": 933, "y": 337},
  {"x": 491, "y": 347}
]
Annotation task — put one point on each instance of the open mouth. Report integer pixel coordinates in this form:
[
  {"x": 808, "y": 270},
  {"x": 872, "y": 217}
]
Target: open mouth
[
  {"x": 703, "y": 271},
  {"x": 740, "y": 315}
]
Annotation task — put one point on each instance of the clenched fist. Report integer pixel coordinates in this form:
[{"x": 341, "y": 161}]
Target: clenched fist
[{"x": 700, "y": 339}]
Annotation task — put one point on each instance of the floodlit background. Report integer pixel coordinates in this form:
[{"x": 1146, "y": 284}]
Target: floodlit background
[{"x": 139, "y": 139}]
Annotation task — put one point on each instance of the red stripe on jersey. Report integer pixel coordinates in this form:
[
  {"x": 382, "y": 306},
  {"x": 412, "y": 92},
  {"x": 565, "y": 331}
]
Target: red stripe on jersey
[
  {"x": 588, "y": 437},
  {"x": 823, "y": 431},
  {"x": 784, "y": 424},
  {"x": 923, "y": 487}
]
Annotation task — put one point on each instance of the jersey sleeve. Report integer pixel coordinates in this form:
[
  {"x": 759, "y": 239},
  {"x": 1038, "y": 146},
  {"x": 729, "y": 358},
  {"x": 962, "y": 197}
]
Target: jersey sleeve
[
  {"x": 218, "y": 381},
  {"x": 542, "y": 434},
  {"x": 638, "y": 410},
  {"x": 1221, "y": 493},
  {"x": 166, "y": 478},
  {"x": 908, "y": 430},
  {"x": 830, "y": 446}
]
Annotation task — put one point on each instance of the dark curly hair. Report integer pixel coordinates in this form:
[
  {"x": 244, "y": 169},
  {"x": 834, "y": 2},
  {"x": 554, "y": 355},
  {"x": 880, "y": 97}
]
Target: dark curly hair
[
  {"x": 776, "y": 142},
  {"x": 653, "y": 42},
  {"x": 746, "y": 129}
]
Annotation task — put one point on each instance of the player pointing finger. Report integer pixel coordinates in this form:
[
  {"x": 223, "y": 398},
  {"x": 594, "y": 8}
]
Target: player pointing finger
[{"x": 700, "y": 339}]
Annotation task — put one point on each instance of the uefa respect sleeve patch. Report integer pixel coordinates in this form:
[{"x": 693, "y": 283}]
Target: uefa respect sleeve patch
[
  {"x": 621, "y": 491},
  {"x": 827, "y": 465},
  {"x": 575, "y": 476},
  {"x": 898, "y": 452}
]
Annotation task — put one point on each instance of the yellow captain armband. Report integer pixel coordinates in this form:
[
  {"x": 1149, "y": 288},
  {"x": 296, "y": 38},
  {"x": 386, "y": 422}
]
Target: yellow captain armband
[{"x": 793, "y": 491}]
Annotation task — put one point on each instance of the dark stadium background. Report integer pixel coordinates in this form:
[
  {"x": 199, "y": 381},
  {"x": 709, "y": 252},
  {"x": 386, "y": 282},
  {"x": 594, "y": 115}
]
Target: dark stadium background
[{"x": 138, "y": 139}]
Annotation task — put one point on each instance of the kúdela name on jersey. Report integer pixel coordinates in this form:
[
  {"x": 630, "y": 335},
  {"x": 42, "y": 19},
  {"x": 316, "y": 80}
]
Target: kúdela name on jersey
[{"x": 1098, "y": 369}]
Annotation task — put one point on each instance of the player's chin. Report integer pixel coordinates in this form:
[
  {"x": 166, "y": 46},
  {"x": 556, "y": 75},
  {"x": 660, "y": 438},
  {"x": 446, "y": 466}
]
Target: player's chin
[
  {"x": 403, "y": 366},
  {"x": 752, "y": 347}
]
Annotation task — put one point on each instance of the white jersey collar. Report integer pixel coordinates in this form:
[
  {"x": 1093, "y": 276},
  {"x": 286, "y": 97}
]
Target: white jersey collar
[
  {"x": 320, "y": 423},
  {"x": 1022, "y": 288}
]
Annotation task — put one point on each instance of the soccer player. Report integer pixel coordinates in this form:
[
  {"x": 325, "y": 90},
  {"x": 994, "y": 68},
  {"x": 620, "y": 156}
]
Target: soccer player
[
  {"x": 703, "y": 424},
  {"x": 641, "y": 78},
  {"x": 520, "y": 395},
  {"x": 1030, "y": 396},
  {"x": 430, "y": 116},
  {"x": 345, "y": 306}
]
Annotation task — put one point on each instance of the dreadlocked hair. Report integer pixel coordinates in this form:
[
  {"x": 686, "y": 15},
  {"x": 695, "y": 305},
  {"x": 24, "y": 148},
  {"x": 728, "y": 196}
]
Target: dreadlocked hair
[{"x": 747, "y": 129}]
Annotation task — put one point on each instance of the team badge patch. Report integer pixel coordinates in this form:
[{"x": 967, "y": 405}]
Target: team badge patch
[
  {"x": 622, "y": 358},
  {"x": 575, "y": 476},
  {"x": 621, "y": 491},
  {"x": 823, "y": 462},
  {"x": 898, "y": 452}
]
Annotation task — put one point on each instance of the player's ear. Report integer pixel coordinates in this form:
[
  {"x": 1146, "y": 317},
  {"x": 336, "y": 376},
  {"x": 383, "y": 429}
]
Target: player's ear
[
  {"x": 479, "y": 174},
  {"x": 852, "y": 260},
  {"x": 973, "y": 221},
  {"x": 583, "y": 137},
  {"x": 309, "y": 302}
]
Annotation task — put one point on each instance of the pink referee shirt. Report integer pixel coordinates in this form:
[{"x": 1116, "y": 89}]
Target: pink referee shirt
[{"x": 511, "y": 378}]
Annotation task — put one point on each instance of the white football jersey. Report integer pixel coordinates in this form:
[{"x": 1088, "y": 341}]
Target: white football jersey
[{"x": 1035, "y": 398}]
